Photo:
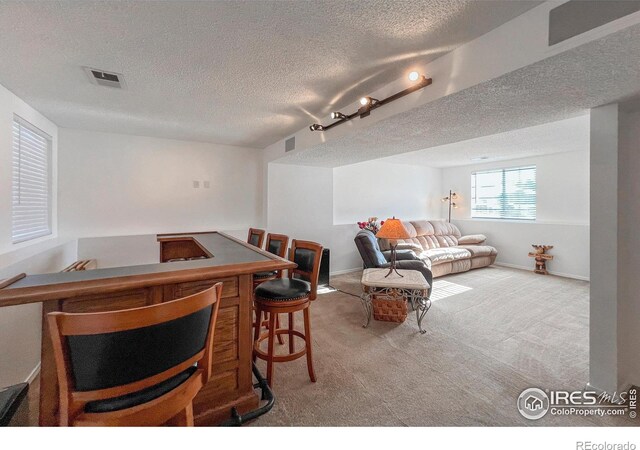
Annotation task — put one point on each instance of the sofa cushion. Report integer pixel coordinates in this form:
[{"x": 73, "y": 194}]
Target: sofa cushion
[
  {"x": 428, "y": 241},
  {"x": 444, "y": 228},
  {"x": 409, "y": 245},
  {"x": 441, "y": 255},
  {"x": 480, "y": 250},
  {"x": 410, "y": 228},
  {"x": 471, "y": 239},
  {"x": 446, "y": 233},
  {"x": 423, "y": 227}
]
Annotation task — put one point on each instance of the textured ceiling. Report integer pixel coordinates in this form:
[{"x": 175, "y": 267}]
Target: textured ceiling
[
  {"x": 234, "y": 72},
  {"x": 560, "y": 87},
  {"x": 569, "y": 135}
]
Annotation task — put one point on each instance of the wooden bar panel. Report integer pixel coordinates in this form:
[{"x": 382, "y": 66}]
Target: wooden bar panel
[
  {"x": 112, "y": 302},
  {"x": 225, "y": 340},
  {"x": 229, "y": 288}
]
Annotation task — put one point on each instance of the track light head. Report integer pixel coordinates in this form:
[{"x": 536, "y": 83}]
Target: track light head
[
  {"x": 316, "y": 127},
  {"x": 413, "y": 76},
  {"x": 337, "y": 115},
  {"x": 368, "y": 101}
]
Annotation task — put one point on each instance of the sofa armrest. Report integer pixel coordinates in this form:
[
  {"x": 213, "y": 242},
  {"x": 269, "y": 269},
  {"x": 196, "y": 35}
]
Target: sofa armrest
[{"x": 401, "y": 255}]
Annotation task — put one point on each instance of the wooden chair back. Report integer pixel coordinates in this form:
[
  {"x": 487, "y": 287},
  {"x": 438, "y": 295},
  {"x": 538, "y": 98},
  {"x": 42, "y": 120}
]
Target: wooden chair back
[
  {"x": 107, "y": 355},
  {"x": 256, "y": 237},
  {"x": 277, "y": 244},
  {"x": 307, "y": 256}
]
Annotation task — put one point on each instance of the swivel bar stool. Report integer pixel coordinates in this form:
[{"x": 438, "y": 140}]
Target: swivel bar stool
[
  {"x": 289, "y": 295},
  {"x": 276, "y": 244}
]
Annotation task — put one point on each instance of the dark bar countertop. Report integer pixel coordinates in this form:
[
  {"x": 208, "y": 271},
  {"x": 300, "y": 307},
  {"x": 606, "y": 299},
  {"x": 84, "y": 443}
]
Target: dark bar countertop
[{"x": 229, "y": 256}]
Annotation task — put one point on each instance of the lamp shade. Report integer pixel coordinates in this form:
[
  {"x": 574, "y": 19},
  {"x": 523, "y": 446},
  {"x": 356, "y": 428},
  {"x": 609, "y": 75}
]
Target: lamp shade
[{"x": 393, "y": 229}]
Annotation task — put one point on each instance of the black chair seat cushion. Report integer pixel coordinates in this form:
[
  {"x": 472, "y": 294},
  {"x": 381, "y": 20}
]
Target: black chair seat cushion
[
  {"x": 140, "y": 397},
  {"x": 10, "y": 400},
  {"x": 283, "y": 289},
  {"x": 265, "y": 274}
]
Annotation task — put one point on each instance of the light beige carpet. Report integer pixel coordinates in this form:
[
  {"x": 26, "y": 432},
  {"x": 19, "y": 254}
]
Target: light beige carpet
[{"x": 491, "y": 333}]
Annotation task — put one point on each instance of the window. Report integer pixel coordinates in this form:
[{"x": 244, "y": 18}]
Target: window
[
  {"x": 31, "y": 185},
  {"x": 504, "y": 193}
]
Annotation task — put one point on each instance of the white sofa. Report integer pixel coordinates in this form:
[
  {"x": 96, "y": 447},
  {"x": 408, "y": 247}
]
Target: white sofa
[{"x": 443, "y": 248}]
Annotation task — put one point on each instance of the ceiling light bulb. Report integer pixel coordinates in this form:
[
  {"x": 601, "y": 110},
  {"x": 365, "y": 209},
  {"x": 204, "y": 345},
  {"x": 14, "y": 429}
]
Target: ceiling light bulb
[
  {"x": 413, "y": 76},
  {"x": 337, "y": 115},
  {"x": 364, "y": 101}
]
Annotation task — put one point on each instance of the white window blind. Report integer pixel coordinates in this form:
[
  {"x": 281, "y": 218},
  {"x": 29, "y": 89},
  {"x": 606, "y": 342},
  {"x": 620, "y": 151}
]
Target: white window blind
[
  {"x": 504, "y": 193},
  {"x": 31, "y": 186}
]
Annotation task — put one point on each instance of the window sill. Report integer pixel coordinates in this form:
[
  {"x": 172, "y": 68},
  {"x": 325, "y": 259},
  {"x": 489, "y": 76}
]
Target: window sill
[{"x": 523, "y": 222}]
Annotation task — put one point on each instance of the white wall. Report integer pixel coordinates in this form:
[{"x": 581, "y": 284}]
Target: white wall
[
  {"x": 11, "y": 105},
  {"x": 113, "y": 184},
  {"x": 562, "y": 213},
  {"x": 628, "y": 251},
  {"x": 323, "y": 204},
  {"x": 603, "y": 311},
  {"x": 615, "y": 214},
  {"x": 300, "y": 202},
  {"x": 382, "y": 189},
  {"x": 20, "y": 325}
]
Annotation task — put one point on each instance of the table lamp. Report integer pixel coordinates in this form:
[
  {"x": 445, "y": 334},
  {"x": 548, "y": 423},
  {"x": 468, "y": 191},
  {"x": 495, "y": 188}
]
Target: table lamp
[{"x": 393, "y": 229}]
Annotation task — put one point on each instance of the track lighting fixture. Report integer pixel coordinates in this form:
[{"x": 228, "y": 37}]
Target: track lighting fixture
[{"x": 368, "y": 104}]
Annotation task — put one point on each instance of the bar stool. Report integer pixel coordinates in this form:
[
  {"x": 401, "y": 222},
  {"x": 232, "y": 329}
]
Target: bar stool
[
  {"x": 288, "y": 296},
  {"x": 256, "y": 237},
  {"x": 276, "y": 244},
  {"x": 135, "y": 367}
]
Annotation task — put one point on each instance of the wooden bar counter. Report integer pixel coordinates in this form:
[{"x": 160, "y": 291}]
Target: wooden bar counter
[{"x": 214, "y": 257}]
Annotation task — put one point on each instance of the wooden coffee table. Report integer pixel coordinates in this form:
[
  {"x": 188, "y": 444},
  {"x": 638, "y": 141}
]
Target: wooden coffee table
[{"x": 412, "y": 286}]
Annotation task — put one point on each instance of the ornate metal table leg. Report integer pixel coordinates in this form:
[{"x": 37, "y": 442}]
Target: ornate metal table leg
[
  {"x": 366, "y": 303},
  {"x": 424, "y": 304}
]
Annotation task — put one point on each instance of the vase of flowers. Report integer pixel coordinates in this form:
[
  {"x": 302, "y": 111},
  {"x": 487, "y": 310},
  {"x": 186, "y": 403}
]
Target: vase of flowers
[{"x": 371, "y": 224}]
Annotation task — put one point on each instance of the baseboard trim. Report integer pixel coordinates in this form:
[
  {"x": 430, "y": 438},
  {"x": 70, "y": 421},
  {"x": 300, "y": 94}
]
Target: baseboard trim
[
  {"x": 341, "y": 272},
  {"x": 511, "y": 266},
  {"x": 34, "y": 373},
  {"x": 558, "y": 274}
]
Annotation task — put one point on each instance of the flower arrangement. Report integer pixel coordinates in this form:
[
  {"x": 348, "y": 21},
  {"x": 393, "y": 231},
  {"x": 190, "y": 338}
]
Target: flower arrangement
[{"x": 371, "y": 224}]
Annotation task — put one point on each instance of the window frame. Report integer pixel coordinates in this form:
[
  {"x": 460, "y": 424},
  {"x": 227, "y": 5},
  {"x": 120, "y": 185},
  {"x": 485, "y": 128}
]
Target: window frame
[
  {"x": 23, "y": 123},
  {"x": 502, "y": 214}
]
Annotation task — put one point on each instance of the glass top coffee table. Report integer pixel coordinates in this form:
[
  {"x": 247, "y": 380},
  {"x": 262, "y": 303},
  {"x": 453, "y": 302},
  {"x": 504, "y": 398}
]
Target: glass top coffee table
[{"x": 412, "y": 286}]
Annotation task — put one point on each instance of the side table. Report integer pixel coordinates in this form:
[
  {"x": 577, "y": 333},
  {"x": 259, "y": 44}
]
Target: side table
[{"x": 411, "y": 285}]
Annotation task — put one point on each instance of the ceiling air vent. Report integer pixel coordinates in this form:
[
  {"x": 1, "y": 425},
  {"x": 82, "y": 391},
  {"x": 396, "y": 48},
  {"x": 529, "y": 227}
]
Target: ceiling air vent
[
  {"x": 290, "y": 144},
  {"x": 102, "y": 78}
]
